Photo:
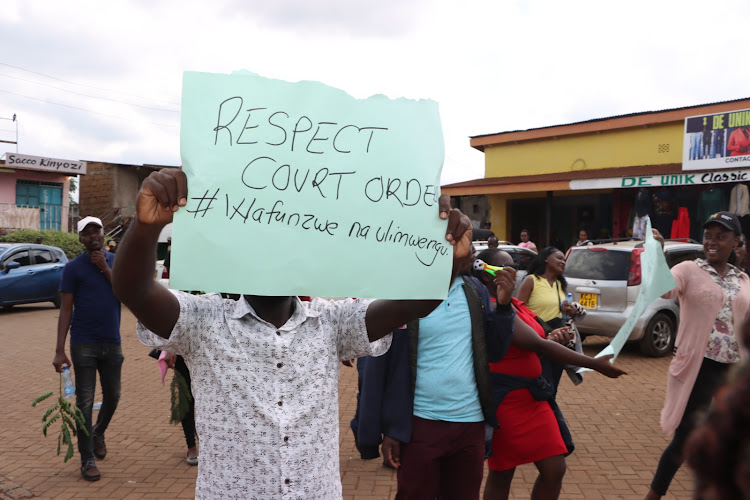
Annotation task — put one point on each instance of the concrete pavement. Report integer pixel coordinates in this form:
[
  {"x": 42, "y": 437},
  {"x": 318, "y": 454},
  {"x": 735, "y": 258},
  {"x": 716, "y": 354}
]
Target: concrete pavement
[{"x": 614, "y": 425}]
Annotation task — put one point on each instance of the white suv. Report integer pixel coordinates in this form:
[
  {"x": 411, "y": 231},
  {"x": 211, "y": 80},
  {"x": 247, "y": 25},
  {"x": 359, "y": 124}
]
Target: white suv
[{"x": 605, "y": 279}]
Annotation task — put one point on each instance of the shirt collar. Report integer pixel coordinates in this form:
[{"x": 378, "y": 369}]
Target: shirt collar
[
  {"x": 733, "y": 271},
  {"x": 301, "y": 312},
  {"x": 457, "y": 282}
]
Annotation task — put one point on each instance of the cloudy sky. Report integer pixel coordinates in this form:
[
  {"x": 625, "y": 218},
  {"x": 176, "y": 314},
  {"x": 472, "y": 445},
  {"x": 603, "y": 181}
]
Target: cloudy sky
[{"x": 101, "y": 80}]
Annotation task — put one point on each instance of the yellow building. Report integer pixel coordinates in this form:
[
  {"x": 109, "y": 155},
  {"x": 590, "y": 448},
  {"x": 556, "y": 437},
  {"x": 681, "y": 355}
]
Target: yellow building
[{"x": 555, "y": 180}]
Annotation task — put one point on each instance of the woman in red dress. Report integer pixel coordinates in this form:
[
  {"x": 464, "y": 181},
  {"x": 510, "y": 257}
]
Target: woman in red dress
[{"x": 528, "y": 431}]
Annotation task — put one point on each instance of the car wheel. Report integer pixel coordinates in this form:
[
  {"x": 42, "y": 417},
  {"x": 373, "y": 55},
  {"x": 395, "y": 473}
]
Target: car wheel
[
  {"x": 57, "y": 301},
  {"x": 658, "y": 340}
]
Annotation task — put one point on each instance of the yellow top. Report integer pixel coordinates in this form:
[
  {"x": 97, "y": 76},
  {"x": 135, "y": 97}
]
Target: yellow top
[{"x": 544, "y": 298}]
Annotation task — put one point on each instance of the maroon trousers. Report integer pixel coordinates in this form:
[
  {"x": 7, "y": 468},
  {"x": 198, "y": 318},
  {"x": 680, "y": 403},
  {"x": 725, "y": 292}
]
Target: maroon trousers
[{"x": 443, "y": 460}]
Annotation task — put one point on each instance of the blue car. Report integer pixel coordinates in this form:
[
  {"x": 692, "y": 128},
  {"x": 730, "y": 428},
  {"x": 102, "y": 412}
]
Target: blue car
[{"x": 30, "y": 273}]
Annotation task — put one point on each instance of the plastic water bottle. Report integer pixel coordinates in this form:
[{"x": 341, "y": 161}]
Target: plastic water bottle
[
  {"x": 568, "y": 300},
  {"x": 69, "y": 387}
]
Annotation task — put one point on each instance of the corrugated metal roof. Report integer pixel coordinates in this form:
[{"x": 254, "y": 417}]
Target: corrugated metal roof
[{"x": 593, "y": 120}]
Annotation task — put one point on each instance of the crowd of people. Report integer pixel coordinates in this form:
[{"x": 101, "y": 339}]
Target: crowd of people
[{"x": 443, "y": 385}]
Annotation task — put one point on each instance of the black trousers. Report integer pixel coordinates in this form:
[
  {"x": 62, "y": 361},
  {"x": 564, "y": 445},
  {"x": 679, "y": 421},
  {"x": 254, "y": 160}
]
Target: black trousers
[
  {"x": 188, "y": 421},
  {"x": 712, "y": 374}
]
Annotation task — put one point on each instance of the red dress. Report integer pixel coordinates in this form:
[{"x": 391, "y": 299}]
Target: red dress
[{"x": 528, "y": 428}]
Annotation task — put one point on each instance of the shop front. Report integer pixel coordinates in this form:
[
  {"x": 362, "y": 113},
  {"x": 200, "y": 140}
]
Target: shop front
[
  {"x": 676, "y": 166},
  {"x": 34, "y": 192},
  {"x": 676, "y": 203}
]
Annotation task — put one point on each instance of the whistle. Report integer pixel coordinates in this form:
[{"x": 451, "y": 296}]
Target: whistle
[{"x": 480, "y": 265}]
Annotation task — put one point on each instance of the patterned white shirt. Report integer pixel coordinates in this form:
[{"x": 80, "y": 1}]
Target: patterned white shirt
[
  {"x": 722, "y": 343},
  {"x": 266, "y": 398}
]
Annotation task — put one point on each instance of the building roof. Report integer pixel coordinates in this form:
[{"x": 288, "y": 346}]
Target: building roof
[{"x": 641, "y": 119}]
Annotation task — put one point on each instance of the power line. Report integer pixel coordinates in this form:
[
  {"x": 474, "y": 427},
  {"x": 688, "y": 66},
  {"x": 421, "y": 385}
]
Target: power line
[
  {"x": 87, "y": 110},
  {"x": 87, "y": 95},
  {"x": 89, "y": 86}
]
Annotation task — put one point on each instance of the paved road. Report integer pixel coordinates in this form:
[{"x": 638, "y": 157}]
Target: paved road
[{"x": 614, "y": 424}]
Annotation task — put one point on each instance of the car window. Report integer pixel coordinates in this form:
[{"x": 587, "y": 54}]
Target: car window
[
  {"x": 21, "y": 257},
  {"x": 522, "y": 259},
  {"x": 599, "y": 265},
  {"x": 42, "y": 256},
  {"x": 677, "y": 256},
  {"x": 57, "y": 255}
]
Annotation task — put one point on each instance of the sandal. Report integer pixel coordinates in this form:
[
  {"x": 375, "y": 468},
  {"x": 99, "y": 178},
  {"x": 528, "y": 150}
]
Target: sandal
[{"x": 89, "y": 471}]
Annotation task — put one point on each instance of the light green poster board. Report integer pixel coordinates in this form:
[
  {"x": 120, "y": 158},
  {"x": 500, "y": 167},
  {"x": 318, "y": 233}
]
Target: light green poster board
[
  {"x": 301, "y": 189},
  {"x": 656, "y": 280}
]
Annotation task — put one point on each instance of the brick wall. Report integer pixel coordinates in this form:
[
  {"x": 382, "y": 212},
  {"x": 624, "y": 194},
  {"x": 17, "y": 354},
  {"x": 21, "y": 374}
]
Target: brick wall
[{"x": 95, "y": 197}]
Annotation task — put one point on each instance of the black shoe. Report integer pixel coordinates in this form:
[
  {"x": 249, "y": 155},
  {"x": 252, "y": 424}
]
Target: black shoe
[
  {"x": 89, "y": 470},
  {"x": 100, "y": 449}
]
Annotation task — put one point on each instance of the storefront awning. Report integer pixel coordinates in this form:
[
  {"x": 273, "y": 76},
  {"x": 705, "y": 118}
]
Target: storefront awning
[{"x": 611, "y": 178}]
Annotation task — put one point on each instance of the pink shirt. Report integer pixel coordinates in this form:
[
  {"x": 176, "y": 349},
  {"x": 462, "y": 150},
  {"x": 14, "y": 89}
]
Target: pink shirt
[
  {"x": 701, "y": 299},
  {"x": 528, "y": 244}
]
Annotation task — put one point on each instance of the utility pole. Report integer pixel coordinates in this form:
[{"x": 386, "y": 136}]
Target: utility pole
[{"x": 15, "y": 120}]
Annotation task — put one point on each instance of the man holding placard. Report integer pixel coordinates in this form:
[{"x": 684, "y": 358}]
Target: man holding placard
[{"x": 265, "y": 369}]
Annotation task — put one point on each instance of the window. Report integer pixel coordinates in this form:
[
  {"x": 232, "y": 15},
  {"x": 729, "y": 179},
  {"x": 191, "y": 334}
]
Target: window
[
  {"x": 42, "y": 256},
  {"x": 522, "y": 259},
  {"x": 21, "y": 257},
  {"x": 674, "y": 258},
  {"x": 600, "y": 265},
  {"x": 57, "y": 255}
]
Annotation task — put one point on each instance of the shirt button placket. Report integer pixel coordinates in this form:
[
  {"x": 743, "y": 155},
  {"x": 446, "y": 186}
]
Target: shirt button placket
[{"x": 280, "y": 387}]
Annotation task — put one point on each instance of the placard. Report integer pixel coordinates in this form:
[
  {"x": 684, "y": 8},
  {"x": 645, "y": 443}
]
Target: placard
[{"x": 301, "y": 189}]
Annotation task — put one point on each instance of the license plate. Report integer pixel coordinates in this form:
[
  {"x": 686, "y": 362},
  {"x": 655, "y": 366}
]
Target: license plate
[{"x": 588, "y": 300}]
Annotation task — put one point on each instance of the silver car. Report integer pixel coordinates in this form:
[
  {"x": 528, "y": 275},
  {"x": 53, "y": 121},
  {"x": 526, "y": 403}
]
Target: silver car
[{"x": 605, "y": 279}]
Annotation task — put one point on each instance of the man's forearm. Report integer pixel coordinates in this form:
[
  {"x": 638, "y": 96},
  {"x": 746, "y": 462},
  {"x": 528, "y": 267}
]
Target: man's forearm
[
  {"x": 136, "y": 260},
  {"x": 133, "y": 280},
  {"x": 63, "y": 325},
  {"x": 384, "y": 316},
  {"x": 108, "y": 274},
  {"x": 63, "y": 320}
]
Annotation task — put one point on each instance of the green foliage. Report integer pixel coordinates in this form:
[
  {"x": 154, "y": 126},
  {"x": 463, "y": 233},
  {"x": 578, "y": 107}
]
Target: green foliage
[
  {"x": 42, "y": 398},
  {"x": 67, "y": 241},
  {"x": 68, "y": 414},
  {"x": 181, "y": 398}
]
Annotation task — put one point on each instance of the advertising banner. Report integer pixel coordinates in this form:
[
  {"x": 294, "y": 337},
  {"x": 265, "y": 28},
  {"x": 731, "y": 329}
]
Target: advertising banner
[
  {"x": 691, "y": 179},
  {"x": 717, "y": 141}
]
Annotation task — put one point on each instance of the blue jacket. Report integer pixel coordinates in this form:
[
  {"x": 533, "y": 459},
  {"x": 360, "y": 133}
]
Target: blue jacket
[{"x": 387, "y": 391}]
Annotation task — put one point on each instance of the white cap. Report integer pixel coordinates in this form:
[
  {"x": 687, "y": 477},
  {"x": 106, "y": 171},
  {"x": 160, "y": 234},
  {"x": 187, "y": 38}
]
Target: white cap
[{"x": 89, "y": 220}]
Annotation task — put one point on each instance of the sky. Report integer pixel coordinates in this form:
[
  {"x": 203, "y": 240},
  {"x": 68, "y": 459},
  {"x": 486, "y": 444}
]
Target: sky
[{"x": 101, "y": 81}]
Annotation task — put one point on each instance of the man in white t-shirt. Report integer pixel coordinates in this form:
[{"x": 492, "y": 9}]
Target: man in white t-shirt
[{"x": 264, "y": 369}]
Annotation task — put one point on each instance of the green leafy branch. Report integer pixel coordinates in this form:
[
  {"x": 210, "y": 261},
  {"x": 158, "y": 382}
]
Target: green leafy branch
[{"x": 68, "y": 415}]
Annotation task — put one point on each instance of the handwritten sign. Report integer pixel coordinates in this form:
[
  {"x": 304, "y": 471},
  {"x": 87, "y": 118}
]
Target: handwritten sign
[{"x": 301, "y": 189}]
